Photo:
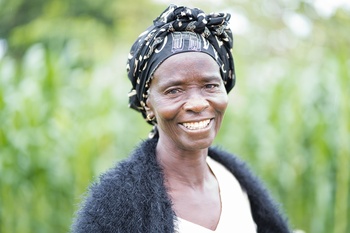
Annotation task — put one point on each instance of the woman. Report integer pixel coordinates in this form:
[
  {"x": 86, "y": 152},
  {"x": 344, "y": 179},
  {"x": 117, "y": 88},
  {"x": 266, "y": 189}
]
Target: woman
[{"x": 181, "y": 70}]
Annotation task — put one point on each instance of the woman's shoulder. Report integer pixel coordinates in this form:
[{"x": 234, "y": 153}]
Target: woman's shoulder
[
  {"x": 249, "y": 181},
  {"x": 266, "y": 212},
  {"x": 116, "y": 193},
  {"x": 128, "y": 173},
  {"x": 232, "y": 162}
]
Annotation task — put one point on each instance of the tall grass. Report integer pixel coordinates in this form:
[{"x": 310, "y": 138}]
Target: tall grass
[{"x": 59, "y": 128}]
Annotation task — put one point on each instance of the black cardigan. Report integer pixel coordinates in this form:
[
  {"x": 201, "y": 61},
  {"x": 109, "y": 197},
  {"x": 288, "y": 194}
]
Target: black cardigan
[{"x": 132, "y": 197}]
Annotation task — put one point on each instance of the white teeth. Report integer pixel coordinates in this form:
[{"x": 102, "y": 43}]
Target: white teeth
[{"x": 196, "y": 125}]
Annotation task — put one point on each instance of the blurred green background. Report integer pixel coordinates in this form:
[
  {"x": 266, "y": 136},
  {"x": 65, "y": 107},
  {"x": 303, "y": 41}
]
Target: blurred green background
[{"x": 64, "y": 117}]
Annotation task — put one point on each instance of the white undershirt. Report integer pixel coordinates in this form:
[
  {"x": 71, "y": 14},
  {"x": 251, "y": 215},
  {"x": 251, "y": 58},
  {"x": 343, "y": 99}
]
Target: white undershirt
[{"x": 235, "y": 211}]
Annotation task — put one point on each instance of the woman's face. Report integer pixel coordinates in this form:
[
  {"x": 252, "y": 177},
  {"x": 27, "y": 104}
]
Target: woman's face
[{"x": 188, "y": 98}]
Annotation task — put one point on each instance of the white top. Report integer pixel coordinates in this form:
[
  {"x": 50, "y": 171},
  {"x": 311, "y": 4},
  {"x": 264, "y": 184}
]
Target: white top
[{"x": 235, "y": 207}]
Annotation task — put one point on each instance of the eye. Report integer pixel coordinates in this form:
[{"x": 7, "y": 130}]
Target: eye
[
  {"x": 211, "y": 86},
  {"x": 173, "y": 91}
]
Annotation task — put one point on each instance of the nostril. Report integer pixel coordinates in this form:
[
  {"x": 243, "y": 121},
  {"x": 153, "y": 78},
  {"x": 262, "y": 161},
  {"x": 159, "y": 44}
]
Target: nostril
[{"x": 196, "y": 105}]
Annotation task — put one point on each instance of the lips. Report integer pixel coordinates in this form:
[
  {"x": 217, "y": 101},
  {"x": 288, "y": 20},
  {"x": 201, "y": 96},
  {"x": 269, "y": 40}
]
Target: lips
[{"x": 196, "y": 125}]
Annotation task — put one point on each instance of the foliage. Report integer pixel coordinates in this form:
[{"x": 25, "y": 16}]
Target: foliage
[{"x": 64, "y": 115}]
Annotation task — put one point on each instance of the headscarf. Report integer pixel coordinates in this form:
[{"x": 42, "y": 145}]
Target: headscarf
[{"x": 176, "y": 30}]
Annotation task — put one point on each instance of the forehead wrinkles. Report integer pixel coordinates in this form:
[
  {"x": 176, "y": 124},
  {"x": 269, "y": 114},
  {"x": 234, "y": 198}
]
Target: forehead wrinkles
[
  {"x": 183, "y": 82},
  {"x": 186, "y": 67}
]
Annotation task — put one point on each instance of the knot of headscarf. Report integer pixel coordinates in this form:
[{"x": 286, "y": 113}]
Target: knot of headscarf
[{"x": 176, "y": 30}]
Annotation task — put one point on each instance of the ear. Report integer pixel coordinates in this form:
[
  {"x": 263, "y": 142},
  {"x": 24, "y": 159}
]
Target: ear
[{"x": 148, "y": 109}]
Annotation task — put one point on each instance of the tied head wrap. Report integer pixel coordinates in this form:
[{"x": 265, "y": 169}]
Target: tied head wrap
[{"x": 177, "y": 30}]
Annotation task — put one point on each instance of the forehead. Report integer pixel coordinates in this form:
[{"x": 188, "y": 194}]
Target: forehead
[{"x": 188, "y": 66}]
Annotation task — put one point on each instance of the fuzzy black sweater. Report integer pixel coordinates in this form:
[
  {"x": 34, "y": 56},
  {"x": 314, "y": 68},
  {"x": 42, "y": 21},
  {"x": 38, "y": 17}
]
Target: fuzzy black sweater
[{"x": 132, "y": 197}]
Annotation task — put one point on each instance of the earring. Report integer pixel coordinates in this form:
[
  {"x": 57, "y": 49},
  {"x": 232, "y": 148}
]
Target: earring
[{"x": 150, "y": 118}]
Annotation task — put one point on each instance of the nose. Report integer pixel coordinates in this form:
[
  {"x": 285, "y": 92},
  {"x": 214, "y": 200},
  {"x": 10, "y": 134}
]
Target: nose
[{"x": 196, "y": 103}]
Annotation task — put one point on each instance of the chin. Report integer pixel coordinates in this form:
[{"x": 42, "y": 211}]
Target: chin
[{"x": 192, "y": 145}]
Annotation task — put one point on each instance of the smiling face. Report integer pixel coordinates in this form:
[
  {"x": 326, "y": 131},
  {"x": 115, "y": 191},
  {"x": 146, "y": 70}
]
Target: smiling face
[{"x": 188, "y": 98}]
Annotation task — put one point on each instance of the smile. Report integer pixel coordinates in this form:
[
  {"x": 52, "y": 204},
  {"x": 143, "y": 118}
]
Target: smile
[{"x": 196, "y": 125}]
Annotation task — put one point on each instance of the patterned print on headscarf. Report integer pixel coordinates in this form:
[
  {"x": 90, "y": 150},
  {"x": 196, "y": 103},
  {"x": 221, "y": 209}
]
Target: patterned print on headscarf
[{"x": 176, "y": 30}]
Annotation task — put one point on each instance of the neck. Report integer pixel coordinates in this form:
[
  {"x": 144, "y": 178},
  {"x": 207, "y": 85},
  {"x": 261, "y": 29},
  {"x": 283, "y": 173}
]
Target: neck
[{"x": 182, "y": 167}]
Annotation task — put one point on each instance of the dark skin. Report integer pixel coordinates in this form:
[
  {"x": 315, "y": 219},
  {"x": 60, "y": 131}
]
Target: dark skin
[{"x": 188, "y": 99}]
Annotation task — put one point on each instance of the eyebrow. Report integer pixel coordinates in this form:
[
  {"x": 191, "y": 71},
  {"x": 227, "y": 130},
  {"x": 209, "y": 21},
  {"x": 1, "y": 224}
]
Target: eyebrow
[
  {"x": 169, "y": 83},
  {"x": 211, "y": 78}
]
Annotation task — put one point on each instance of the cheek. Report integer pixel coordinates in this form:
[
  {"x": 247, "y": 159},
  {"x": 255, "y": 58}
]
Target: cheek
[
  {"x": 220, "y": 108},
  {"x": 162, "y": 108},
  {"x": 225, "y": 102},
  {"x": 221, "y": 103}
]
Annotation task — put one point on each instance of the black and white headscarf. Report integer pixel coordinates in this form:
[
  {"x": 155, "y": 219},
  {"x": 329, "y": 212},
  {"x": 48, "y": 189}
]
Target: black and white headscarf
[{"x": 177, "y": 30}]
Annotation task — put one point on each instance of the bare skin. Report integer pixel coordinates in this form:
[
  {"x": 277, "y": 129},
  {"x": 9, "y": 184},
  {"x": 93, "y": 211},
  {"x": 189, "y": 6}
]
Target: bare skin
[
  {"x": 193, "y": 189},
  {"x": 188, "y": 99}
]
